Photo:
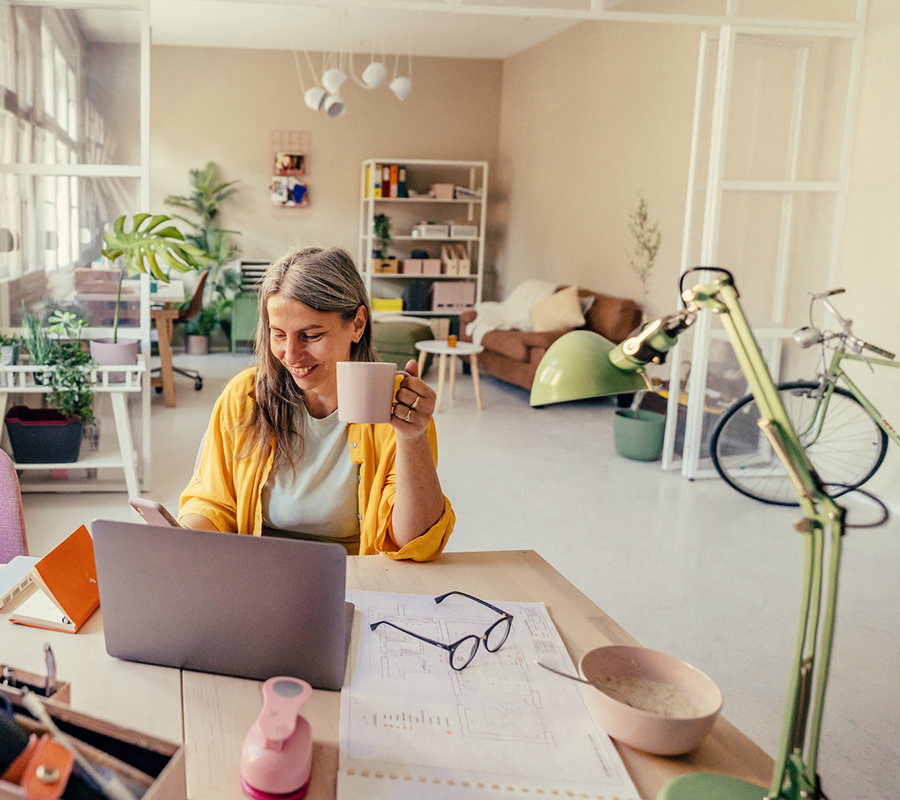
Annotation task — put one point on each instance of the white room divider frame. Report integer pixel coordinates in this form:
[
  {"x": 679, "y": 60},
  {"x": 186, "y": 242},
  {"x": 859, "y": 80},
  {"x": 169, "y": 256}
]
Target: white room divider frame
[
  {"x": 715, "y": 186},
  {"x": 141, "y": 172}
]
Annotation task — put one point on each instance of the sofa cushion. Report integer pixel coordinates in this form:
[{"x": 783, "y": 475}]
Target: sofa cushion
[
  {"x": 613, "y": 317},
  {"x": 507, "y": 343},
  {"x": 559, "y": 310}
]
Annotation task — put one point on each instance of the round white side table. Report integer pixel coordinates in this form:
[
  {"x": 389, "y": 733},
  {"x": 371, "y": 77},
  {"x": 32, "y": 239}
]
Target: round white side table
[{"x": 439, "y": 347}]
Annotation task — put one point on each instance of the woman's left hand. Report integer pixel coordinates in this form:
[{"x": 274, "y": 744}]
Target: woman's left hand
[{"x": 414, "y": 405}]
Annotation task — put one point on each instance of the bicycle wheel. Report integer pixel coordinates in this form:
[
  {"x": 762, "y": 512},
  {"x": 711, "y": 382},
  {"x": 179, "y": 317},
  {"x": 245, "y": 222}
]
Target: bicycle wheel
[{"x": 848, "y": 451}]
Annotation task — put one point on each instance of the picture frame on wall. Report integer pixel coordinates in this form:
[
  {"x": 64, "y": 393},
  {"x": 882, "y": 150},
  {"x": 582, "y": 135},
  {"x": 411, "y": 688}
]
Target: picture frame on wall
[{"x": 288, "y": 191}]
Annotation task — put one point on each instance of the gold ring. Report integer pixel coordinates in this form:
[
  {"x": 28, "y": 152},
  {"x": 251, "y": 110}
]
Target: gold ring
[
  {"x": 416, "y": 402},
  {"x": 406, "y": 418}
]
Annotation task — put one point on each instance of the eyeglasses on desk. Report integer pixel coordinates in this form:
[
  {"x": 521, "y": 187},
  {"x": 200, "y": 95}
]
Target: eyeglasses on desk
[{"x": 463, "y": 651}]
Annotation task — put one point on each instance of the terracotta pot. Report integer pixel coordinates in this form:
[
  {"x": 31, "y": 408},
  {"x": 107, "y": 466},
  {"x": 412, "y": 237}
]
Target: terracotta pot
[{"x": 196, "y": 345}]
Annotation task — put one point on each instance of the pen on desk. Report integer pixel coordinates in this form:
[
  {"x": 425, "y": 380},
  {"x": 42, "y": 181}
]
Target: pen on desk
[{"x": 50, "y": 661}]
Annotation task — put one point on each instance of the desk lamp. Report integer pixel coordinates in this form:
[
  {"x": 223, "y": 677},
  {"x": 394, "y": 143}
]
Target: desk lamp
[{"x": 582, "y": 364}]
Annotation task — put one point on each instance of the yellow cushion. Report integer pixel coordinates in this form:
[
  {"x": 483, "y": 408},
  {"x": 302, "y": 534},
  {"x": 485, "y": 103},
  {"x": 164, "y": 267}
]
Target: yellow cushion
[{"x": 559, "y": 311}]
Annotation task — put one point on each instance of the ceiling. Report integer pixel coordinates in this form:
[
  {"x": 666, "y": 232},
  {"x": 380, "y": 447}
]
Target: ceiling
[{"x": 327, "y": 27}]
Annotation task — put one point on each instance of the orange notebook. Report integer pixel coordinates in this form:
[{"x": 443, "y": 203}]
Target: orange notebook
[{"x": 66, "y": 581}]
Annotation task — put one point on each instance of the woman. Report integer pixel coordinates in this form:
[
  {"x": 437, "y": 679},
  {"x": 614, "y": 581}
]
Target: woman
[{"x": 277, "y": 461}]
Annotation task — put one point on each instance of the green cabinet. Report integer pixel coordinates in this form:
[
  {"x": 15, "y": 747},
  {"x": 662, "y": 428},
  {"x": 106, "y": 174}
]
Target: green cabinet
[{"x": 244, "y": 319}]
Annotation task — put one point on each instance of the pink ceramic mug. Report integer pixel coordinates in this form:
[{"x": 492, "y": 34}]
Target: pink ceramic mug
[{"x": 366, "y": 390}]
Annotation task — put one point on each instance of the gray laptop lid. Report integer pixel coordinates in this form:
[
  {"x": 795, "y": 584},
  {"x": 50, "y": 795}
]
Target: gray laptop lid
[{"x": 221, "y": 602}]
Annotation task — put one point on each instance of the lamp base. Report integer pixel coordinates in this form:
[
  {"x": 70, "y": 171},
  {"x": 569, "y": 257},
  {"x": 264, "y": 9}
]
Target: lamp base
[{"x": 706, "y": 786}]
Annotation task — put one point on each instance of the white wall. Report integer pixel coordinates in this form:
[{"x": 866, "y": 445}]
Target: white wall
[{"x": 222, "y": 105}]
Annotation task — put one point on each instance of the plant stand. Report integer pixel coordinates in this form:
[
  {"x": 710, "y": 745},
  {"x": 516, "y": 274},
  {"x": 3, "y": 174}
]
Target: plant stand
[{"x": 20, "y": 380}]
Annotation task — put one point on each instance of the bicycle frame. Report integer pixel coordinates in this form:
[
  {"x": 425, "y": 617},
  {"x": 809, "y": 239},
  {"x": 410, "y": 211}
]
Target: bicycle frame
[{"x": 835, "y": 373}]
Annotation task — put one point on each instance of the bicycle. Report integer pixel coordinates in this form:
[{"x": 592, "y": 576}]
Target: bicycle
[{"x": 844, "y": 435}]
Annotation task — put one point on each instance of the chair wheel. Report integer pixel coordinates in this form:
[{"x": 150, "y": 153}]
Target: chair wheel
[
  {"x": 158, "y": 389},
  {"x": 198, "y": 384}
]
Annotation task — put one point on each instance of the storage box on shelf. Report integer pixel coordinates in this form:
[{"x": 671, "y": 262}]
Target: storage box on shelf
[
  {"x": 452, "y": 296},
  {"x": 439, "y": 209}
]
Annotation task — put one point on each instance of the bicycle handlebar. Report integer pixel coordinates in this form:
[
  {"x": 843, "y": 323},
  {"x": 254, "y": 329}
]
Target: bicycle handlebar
[
  {"x": 878, "y": 351},
  {"x": 829, "y": 293},
  {"x": 846, "y": 324}
]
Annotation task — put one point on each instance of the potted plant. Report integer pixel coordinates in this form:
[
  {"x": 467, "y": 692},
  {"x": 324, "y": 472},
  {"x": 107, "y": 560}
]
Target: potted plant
[
  {"x": 146, "y": 248},
  {"x": 215, "y": 243},
  {"x": 9, "y": 350},
  {"x": 53, "y": 435},
  {"x": 381, "y": 230},
  {"x": 638, "y": 433},
  {"x": 198, "y": 330}
]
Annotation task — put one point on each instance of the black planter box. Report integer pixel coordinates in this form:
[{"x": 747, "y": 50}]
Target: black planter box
[{"x": 43, "y": 436}]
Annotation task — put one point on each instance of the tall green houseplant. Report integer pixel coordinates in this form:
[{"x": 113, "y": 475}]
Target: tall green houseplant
[{"x": 216, "y": 243}]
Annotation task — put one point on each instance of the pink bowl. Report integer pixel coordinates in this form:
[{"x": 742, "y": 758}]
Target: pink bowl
[{"x": 691, "y": 695}]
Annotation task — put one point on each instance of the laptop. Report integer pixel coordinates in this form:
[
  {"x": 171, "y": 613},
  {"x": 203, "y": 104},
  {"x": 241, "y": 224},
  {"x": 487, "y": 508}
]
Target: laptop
[{"x": 248, "y": 606}]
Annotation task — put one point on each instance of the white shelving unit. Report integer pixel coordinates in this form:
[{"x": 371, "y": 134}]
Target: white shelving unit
[
  {"x": 407, "y": 211},
  {"x": 21, "y": 380}
]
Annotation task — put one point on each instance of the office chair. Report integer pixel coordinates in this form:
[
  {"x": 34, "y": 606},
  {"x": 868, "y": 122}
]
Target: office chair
[
  {"x": 186, "y": 315},
  {"x": 12, "y": 519}
]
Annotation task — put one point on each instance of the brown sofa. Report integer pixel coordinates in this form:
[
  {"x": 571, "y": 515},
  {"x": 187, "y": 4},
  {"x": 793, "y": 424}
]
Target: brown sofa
[{"x": 513, "y": 356}]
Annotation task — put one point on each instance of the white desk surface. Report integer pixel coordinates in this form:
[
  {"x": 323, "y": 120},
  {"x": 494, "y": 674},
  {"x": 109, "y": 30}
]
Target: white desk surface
[{"x": 218, "y": 710}]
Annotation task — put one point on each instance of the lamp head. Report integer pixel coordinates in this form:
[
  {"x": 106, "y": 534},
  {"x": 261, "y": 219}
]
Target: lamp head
[
  {"x": 315, "y": 98},
  {"x": 333, "y": 79},
  {"x": 401, "y": 87},
  {"x": 334, "y": 106},
  {"x": 374, "y": 75},
  {"x": 577, "y": 366}
]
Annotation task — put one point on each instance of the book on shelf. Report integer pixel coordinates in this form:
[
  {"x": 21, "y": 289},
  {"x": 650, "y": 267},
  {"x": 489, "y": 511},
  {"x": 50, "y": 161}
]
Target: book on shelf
[
  {"x": 376, "y": 181},
  {"x": 401, "y": 181},
  {"x": 66, "y": 580},
  {"x": 15, "y": 577},
  {"x": 395, "y": 177},
  {"x": 386, "y": 180}
]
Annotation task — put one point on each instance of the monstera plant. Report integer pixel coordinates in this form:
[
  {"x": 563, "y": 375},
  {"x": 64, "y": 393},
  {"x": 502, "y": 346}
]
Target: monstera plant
[{"x": 149, "y": 248}]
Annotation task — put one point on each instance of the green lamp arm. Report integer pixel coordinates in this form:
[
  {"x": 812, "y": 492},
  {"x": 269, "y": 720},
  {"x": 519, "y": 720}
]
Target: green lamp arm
[{"x": 795, "y": 774}]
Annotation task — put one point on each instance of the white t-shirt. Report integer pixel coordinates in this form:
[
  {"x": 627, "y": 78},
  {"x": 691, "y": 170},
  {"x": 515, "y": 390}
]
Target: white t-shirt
[{"x": 319, "y": 499}]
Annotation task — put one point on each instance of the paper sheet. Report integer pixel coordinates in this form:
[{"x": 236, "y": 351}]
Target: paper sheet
[{"x": 413, "y": 727}]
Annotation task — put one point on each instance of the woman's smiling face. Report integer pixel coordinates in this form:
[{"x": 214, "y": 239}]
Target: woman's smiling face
[{"x": 309, "y": 344}]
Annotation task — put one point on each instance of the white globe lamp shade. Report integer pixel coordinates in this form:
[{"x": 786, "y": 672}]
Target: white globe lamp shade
[
  {"x": 315, "y": 98},
  {"x": 333, "y": 79},
  {"x": 401, "y": 87},
  {"x": 334, "y": 106},
  {"x": 374, "y": 75}
]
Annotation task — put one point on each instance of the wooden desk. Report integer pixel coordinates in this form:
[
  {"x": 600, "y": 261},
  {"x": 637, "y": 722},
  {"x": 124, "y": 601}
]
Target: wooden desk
[
  {"x": 163, "y": 319},
  {"x": 219, "y": 710}
]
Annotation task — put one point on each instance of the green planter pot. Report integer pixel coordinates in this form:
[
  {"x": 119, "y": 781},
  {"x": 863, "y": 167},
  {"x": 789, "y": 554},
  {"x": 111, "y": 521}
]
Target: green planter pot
[{"x": 641, "y": 438}]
